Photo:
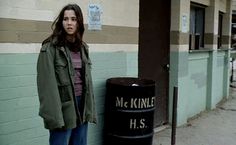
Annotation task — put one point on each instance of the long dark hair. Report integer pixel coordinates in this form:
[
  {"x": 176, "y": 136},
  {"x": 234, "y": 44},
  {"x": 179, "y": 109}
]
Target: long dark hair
[{"x": 58, "y": 37}]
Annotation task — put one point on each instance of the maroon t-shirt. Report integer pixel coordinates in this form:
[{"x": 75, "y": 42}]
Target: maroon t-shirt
[{"x": 77, "y": 64}]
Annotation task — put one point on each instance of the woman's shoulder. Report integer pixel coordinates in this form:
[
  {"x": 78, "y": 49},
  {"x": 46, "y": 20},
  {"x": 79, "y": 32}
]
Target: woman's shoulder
[
  {"x": 85, "y": 45},
  {"x": 47, "y": 45},
  {"x": 85, "y": 48}
]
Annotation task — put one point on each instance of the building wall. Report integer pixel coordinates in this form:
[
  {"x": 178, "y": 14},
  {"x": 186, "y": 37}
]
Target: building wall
[
  {"x": 204, "y": 2},
  {"x": 197, "y": 81},
  {"x": 233, "y": 4},
  {"x": 204, "y": 72},
  {"x": 234, "y": 10},
  {"x": 23, "y": 26}
]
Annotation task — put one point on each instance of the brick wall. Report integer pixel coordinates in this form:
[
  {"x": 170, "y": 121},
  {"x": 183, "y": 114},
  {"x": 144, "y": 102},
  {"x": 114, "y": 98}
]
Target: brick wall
[{"x": 19, "y": 120}]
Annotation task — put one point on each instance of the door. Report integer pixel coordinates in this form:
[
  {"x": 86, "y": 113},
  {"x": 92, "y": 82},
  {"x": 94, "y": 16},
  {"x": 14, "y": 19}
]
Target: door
[{"x": 154, "y": 47}]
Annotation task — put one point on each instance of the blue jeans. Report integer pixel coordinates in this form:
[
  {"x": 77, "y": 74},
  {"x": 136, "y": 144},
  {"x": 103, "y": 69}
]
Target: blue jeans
[{"x": 75, "y": 136}]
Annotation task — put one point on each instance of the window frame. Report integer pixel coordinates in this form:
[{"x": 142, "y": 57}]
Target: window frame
[
  {"x": 220, "y": 29},
  {"x": 196, "y": 26}
]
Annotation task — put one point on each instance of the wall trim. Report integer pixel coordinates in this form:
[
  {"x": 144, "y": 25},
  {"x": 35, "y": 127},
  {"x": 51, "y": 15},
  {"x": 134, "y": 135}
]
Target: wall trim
[
  {"x": 179, "y": 48},
  {"x": 35, "y": 47},
  {"x": 31, "y": 31}
]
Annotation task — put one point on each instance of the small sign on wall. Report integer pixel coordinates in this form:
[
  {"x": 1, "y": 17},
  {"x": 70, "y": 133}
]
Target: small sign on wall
[
  {"x": 94, "y": 17},
  {"x": 185, "y": 26}
]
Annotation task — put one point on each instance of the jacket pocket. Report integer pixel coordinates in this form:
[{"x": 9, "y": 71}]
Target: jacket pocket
[
  {"x": 64, "y": 93},
  {"x": 62, "y": 72},
  {"x": 67, "y": 107}
]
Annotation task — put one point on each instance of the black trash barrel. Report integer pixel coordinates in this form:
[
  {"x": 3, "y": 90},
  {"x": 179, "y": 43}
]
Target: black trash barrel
[{"x": 129, "y": 111}]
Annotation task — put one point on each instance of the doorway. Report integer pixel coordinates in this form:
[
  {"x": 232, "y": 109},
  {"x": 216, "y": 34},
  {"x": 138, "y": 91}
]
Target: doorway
[{"x": 154, "y": 49}]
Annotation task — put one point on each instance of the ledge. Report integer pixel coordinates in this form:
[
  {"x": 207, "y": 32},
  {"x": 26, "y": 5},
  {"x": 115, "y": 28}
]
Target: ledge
[
  {"x": 201, "y": 50},
  {"x": 209, "y": 50},
  {"x": 224, "y": 49}
]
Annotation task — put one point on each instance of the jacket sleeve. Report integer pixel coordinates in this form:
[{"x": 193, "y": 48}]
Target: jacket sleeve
[{"x": 49, "y": 98}]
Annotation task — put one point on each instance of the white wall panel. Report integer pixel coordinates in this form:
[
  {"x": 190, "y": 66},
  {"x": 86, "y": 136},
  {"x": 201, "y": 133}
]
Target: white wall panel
[{"x": 115, "y": 12}]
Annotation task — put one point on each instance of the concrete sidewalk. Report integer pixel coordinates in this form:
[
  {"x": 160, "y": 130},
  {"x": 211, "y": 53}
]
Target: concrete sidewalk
[{"x": 215, "y": 127}]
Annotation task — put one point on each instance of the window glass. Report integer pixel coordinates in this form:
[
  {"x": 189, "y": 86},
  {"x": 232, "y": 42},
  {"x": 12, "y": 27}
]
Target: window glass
[
  {"x": 220, "y": 30},
  {"x": 197, "y": 20}
]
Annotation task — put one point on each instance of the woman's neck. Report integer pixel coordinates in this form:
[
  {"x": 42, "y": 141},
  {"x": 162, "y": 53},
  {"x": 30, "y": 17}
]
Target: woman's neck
[{"x": 70, "y": 38}]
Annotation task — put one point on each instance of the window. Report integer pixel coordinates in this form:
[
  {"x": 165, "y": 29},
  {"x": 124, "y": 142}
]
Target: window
[
  {"x": 233, "y": 30},
  {"x": 197, "y": 21},
  {"x": 219, "y": 37}
]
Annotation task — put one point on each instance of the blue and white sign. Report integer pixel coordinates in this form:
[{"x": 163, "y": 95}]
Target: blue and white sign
[
  {"x": 185, "y": 25},
  {"x": 94, "y": 17}
]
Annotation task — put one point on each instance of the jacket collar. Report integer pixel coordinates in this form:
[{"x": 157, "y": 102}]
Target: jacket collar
[{"x": 62, "y": 48}]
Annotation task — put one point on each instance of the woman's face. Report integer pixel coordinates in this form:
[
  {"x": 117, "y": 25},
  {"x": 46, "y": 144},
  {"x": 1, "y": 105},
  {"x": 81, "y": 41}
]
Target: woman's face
[{"x": 70, "y": 22}]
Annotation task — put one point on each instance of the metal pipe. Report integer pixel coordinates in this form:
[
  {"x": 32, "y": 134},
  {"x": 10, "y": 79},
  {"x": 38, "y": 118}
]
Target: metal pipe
[
  {"x": 232, "y": 75},
  {"x": 174, "y": 115},
  {"x": 232, "y": 71}
]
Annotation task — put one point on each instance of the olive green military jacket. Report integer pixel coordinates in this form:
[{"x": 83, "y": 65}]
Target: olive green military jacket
[{"x": 56, "y": 88}]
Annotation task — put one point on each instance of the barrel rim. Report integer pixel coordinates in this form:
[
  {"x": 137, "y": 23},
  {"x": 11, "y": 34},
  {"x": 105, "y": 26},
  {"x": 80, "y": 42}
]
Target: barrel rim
[
  {"x": 126, "y": 81},
  {"x": 133, "y": 137}
]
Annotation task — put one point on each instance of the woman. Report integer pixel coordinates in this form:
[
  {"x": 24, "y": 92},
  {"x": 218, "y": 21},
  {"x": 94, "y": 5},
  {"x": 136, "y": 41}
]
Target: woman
[{"x": 64, "y": 80}]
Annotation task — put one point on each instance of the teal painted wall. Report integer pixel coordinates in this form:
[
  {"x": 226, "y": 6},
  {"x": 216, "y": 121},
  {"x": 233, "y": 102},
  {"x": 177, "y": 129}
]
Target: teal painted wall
[
  {"x": 219, "y": 86},
  {"x": 19, "y": 120},
  {"x": 202, "y": 78},
  {"x": 132, "y": 64},
  {"x": 178, "y": 78},
  {"x": 197, "y": 83}
]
